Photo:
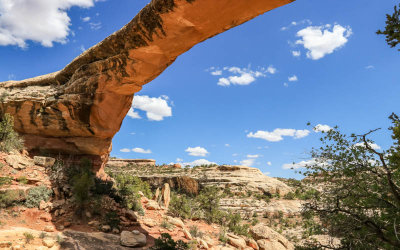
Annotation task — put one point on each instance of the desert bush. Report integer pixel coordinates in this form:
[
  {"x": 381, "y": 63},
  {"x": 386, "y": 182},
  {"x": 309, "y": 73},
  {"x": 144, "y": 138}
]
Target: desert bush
[
  {"x": 182, "y": 206},
  {"x": 9, "y": 198},
  {"x": 235, "y": 225},
  {"x": 5, "y": 180},
  {"x": 82, "y": 181},
  {"x": 165, "y": 242},
  {"x": 28, "y": 237},
  {"x": 37, "y": 194},
  {"x": 112, "y": 219},
  {"x": 195, "y": 232},
  {"x": 22, "y": 180},
  {"x": 289, "y": 196},
  {"x": 9, "y": 139},
  {"x": 128, "y": 187}
]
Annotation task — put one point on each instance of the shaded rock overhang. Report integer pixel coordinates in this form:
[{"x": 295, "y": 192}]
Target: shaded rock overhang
[{"x": 79, "y": 109}]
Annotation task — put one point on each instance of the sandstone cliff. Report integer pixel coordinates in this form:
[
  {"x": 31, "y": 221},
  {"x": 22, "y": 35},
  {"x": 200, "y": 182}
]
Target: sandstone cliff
[{"x": 78, "y": 109}]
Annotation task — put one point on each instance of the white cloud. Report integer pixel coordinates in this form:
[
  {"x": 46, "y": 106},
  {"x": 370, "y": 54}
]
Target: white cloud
[
  {"x": 227, "y": 145},
  {"x": 141, "y": 151},
  {"x": 235, "y": 154},
  {"x": 267, "y": 173},
  {"x": 247, "y": 162},
  {"x": 294, "y": 23},
  {"x": 240, "y": 76},
  {"x": 252, "y": 156},
  {"x": 95, "y": 26},
  {"x": 320, "y": 41},
  {"x": 156, "y": 108},
  {"x": 322, "y": 128},
  {"x": 216, "y": 73},
  {"x": 199, "y": 162},
  {"x": 296, "y": 53},
  {"x": 285, "y": 84},
  {"x": 179, "y": 160},
  {"x": 197, "y": 151},
  {"x": 269, "y": 163},
  {"x": 42, "y": 21},
  {"x": 372, "y": 145},
  {"x": 86, "y": 19},
  {"x": 370, "y": 67},
  {"x": 277, "y": 134},
  {"x": 125, "y": 150},
  {"x": 293, "y": 78},
  {"x": 298, "y": 165}
]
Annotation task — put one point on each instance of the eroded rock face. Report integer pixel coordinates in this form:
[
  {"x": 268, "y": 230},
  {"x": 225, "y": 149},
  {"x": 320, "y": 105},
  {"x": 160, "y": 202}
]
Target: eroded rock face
[{"x": 78, "y": 109}]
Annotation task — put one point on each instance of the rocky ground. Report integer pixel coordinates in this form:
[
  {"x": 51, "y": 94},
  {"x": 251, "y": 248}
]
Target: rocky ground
[{"x": 55, "y": 223}]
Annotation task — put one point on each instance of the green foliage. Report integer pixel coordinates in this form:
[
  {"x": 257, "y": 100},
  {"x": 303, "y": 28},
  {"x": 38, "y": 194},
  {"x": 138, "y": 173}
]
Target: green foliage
[
  {"x": 9, "y": 198},
  {"x": 165, "y": 242},
  {"x": 392, "y": 29},
  {"x": 165, "y": 224},
  {"x": 206, "y": 206},
  {"x": 183, "y": 206},
  {"x": 37, "y": 194},
  {"x": 234, "y": 224},
  {"x": 128, "y": 188},
  {"x": 9, "y": 139},
  {"x": 5, "y": 180},
  {"x": 82, "y": 180},
  {"x": 42, "y": 235},
  {"x": 222, "y": 236},
  {"x": 195, "y": 232},
  {"x": 22, "y": 180},
  {"x": 112, "y": 219},
  {"x": 28, "y": 237},
  {"x": 360, "y": 197}
]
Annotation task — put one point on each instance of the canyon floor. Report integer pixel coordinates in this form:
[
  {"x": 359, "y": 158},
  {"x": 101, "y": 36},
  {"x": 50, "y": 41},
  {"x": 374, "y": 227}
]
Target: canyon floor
[{"x": 29, "y": 221}]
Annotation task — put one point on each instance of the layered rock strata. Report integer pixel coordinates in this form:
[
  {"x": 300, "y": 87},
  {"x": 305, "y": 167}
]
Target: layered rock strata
[{"x": 78, "y": 109}]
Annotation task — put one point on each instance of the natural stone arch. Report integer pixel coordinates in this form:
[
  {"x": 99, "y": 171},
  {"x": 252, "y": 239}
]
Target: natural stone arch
[{"x": 79, "y": 109}]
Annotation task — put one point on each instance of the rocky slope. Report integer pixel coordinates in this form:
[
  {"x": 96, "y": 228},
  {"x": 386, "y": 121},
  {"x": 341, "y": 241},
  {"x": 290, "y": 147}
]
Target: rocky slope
[
  {"x": 238, "y": 179},
  {"x": 73, "y": 111},
  {"x": 54, "y": 224}
]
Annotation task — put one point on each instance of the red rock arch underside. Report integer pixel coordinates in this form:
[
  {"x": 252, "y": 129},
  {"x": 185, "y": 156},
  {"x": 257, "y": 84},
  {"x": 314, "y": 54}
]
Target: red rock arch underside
[{"x": 78, "y": 110}]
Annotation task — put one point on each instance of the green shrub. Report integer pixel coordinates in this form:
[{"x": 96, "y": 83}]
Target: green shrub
[
  {"x": 183, "y": 206},
  {"x": 37, "y": 194},
  {"x": 81, "y": 179},
  {"x": 22, "y": 180},
  {"x": 112, "y": 219},
  {"x": 28, "y": 237},
  {"x": 165, "y": 224},
  {"x": 235, "y": 224},
  {"x": 5, "y": 180},
  {"x": 9, "y": 198},
  {"x": 128, "y": 187},
  {"x": 42, "y": 235},
  {"x": 9, "y": 139},
  {"x": 165, "y": 242},
  {"x": 289, "y": 196},
  {"x": 195, "y": 232}
]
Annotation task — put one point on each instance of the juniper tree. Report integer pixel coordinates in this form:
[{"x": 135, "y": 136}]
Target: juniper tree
[
  {"x": 392, "y": 29},
  {"x": 359, "y": 198}
]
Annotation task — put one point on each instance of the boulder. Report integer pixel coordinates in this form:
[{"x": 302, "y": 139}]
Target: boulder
[
  {"x": 152, "y": 205},
  {"x": 149, "y": 222},
  {"x": 17, "y": 161},
  {"x": 269, "y": 237},
  {"x": 187, "y": 234},
  {"x": 44, "y": 161},
  {"x": 133, "y": 239},
  {"x": 131, "y": 215},
  {"x": 49, "y": 228},
  {"x": 166, "y": 195},
  {"x": 48, "y": 242},
  {"x": 236, "y": 241},
  {"x": 175, "y": 221}
]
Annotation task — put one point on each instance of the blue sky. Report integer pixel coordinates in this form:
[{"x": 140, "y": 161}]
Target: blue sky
[{"x": 210, "y": 104}]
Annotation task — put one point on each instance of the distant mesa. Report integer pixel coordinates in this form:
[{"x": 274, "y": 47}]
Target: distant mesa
[{"x": 80, "y": 108}]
